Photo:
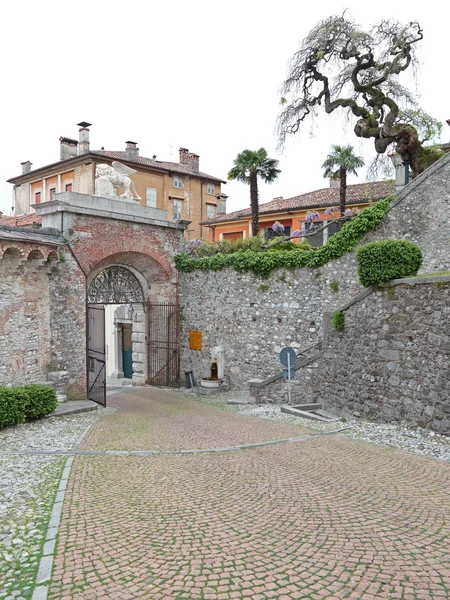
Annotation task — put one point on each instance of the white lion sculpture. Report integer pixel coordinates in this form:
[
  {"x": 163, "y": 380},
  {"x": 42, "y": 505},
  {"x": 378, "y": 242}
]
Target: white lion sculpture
[{"x": 108, "y": 179}]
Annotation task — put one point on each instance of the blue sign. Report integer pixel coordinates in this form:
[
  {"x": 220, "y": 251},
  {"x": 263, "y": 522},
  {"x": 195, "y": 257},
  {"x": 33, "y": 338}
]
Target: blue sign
[
  {"x": 286, "y": 376},
  {"x": 285, "y": 352}
]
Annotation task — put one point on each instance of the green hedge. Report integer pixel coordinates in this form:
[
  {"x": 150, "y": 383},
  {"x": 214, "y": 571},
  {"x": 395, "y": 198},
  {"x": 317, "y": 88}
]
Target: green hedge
[
  {"x": 41, "y": 400},
  {"x": 262, "y": 263},
  {"x": 12, "y": 406},
  {"x": 387, "y": 259},
  {"x": 28, "y": 401}
]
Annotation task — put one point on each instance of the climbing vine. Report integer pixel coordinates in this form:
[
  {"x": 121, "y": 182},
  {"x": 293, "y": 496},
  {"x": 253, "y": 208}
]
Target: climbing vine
[{"x": 262, "y": 263}]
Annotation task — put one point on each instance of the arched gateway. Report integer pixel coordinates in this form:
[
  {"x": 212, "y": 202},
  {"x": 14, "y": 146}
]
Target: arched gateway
[
  {"x": 145, "y": 342},
  {"x": 120, "y": 255}
]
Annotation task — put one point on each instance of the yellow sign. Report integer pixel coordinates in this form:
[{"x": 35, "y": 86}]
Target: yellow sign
[{"x": 195, "y": 340}]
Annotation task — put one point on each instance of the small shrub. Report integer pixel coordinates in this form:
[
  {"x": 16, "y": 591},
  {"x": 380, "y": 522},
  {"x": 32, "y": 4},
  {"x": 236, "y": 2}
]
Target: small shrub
[
  {"x": 382, "y": 261},
  {"x": 334, "y": 285},
  {"x": 41, "y": 400},
  {"x": 338, "y": 320},
  {"x": 12, "y": 406}
]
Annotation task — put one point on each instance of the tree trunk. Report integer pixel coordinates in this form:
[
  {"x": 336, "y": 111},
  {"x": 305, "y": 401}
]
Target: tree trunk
[
  {"x": 254, "y": 203},
  {"x": 342, "y": 189}
]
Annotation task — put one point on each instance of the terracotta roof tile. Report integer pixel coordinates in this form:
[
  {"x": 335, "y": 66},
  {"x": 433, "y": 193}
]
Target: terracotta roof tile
[
  {"x": 22, "y": 220},
  {"x": 157, "y": 164},
  {"x": 357, "y": 193}
]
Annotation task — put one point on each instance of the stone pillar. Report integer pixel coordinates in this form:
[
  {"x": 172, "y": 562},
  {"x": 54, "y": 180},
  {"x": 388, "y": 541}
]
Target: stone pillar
[
  {"x": 139, "y": 348},
  {"x": 44, "y": 191},
  {"x": 58, "y": 186},
  {"x": 118, "y": 358}
]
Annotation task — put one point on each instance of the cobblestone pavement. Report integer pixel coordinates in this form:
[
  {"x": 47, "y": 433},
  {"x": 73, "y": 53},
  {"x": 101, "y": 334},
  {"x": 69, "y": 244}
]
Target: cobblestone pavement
[
  {"x": 159, "y": 420},
  {"x": 328, "y": 517}
]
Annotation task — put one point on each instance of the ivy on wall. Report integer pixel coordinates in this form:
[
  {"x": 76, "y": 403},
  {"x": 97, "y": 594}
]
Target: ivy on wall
[{"x": 262, "y": 263}]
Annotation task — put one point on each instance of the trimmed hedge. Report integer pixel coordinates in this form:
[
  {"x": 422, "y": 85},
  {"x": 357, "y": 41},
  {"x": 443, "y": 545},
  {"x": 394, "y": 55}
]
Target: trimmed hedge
[
  {"x": 28, "y": 401},
  {"x": 262, "y": 263},
  {"x": 382, "y": 261},
  {"x": 41, "y": 400},
  {"x": 12, "y": 406}
]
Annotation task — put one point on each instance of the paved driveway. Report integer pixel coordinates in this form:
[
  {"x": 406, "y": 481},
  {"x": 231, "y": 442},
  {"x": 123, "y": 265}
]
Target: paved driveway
[{"x": 326, "y": 517}]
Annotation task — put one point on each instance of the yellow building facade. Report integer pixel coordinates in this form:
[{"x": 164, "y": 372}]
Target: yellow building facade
[{"x": 180, "y": 188}]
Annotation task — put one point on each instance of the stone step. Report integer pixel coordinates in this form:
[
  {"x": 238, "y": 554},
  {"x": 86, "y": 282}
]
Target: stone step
[{"x": 306, "y": 414}]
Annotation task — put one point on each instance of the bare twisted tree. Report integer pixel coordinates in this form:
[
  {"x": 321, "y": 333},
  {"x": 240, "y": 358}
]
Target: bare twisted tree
[{"x": 341, "y": 66}]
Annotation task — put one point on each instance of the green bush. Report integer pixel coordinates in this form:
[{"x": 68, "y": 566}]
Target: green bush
[
  {"x": 12, "y": 406},
  {"x": 387, "y": 259},
  {"x": 41, "y": 400},
  {"x": 28, "y": 401},
  {"x": 253, "y": 258}
]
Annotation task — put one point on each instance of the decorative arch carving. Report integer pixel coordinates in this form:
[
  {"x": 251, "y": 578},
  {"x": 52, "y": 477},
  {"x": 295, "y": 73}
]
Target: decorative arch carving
[{"x": 115, "y": 285}]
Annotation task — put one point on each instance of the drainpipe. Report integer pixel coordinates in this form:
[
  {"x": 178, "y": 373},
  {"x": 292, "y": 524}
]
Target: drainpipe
[{"x": 201, "y": 205}]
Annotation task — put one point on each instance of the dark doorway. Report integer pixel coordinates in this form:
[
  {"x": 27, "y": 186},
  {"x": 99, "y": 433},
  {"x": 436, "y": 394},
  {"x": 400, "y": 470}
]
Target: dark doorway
[{"x": 127, "y": 351}]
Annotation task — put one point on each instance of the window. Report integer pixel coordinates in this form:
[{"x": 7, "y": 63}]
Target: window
[
  {"x": 270, "y": 233},
  {"x": 210, "y": 189},
  {"x": 68, "y": 187},
  {"x": 334, "y": 228},
  {"x": 210, "y": 211},
  {"x": 37, "y": 197},
  {"x": 177, "y": 209},
  {"x": 52, "y": 194},
  {"x": 150, "y": 197},
  {"x": 233, "y": 235},
  {"x": 177, "y": 182},
  {"x": 316, "y": 239}
]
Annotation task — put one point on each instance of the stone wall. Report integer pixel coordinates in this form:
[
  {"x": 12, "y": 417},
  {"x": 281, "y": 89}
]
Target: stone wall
[
  {"x": 25, "y": 349},
  {"x": 42, "y": 318},
  {"x": 68, "y": 323},
  {"x": 391, "y": 361},
  {"x": 252, "y": 318}
]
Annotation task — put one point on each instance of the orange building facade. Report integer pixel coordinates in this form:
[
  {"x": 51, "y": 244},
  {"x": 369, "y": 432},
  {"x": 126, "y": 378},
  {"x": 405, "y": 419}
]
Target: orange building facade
[
  {"x": 180, "y": 188},
  {"x": 292, "y": 212}
]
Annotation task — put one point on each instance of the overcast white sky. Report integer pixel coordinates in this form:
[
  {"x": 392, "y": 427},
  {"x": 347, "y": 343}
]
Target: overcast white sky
[{"x": 198, "y": 74}]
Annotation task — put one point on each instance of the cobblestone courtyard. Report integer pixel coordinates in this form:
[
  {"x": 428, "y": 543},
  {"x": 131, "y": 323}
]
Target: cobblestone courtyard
[{"x": 326, "y": 517}]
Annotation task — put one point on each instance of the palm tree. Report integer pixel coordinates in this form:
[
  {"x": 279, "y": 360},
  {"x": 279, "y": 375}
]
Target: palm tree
[
  {"x": 248, "y": 166},
  {"x": 346, "y": 161}
]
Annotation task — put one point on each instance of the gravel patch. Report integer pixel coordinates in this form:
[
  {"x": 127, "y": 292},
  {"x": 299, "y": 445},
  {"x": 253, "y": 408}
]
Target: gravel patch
[
  {"x": 415, "y": 440},
  {"x": 27, "y": 489},
  {"x": 28, "y": 486},
  {"x": 54, "y": 433}
]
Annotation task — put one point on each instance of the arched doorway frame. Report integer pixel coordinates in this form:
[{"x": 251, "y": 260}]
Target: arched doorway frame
[{"x": 117, "y": 275}]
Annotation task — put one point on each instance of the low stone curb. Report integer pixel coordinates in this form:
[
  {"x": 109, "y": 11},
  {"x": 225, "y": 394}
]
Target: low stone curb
[
  {"x": 46, "y": 563},
  {"x": 75, "y": 452}
]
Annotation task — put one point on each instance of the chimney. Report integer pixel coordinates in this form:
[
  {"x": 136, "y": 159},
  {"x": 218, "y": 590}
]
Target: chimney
[
  {"x": 221, "y": 204},
  {"x": 193, "y": 161},
  {"x": 26, "y": 167},
  {"x": 68, "y": 148},
  {"x": 184, "y": 152},
  {"x": 131, "y": 151},
  {"x": 84, "y": 137},
  {"x": 335, "y": 182}
]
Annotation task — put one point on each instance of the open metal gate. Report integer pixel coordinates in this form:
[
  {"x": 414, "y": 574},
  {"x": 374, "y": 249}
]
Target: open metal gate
[
  {"x": 96, "y": 354},
  {"x": 164, "y": 344}
]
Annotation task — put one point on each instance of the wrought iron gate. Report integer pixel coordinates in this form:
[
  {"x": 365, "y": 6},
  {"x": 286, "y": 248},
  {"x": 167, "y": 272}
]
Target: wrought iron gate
[
  {"x": 96, "y": 354},
  {"x": 163, "y": 345}
]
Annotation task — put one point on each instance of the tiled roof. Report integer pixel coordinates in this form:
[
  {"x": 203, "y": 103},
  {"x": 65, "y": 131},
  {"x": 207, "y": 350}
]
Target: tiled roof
[
  {"x": 356, "y": 194},
  {"x": 119, "y": 156},
  {"x": 30, "y": 236},
  {"x": 22, "y": 220},
  {"x": 157, "y": 164}
]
